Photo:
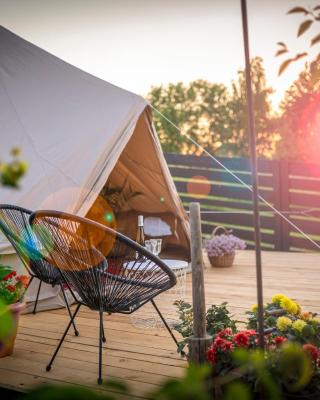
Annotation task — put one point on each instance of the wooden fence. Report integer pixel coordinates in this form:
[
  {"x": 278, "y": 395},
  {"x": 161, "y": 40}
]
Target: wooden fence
[{"x": 291, "y": 187}]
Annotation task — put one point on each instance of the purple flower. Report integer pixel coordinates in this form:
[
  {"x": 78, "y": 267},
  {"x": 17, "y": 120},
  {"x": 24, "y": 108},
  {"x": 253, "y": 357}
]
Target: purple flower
[{"x": 223, "y": 244}]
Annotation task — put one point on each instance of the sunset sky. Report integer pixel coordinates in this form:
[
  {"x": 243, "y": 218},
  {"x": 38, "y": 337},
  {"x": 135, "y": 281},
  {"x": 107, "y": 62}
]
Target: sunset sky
[{"x": 139, "y": 43}]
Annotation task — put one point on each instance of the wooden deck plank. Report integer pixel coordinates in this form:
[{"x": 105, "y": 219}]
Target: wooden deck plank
[{"x": 145, "y": 357}]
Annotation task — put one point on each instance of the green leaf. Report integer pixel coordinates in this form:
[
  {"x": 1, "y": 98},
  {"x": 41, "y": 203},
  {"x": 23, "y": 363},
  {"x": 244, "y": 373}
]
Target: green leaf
[
  {"x": 296, "y": 10},
  {"x": 304, "y": 26},
  {"x": 284, "y": 66},
  {"x": 281, "y": 51},
  {"x": 315, "y": 40}
]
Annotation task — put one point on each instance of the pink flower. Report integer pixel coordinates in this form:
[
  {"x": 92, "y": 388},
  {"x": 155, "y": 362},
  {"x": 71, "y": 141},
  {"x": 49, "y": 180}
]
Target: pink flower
[{"x": 223, "y": 244}]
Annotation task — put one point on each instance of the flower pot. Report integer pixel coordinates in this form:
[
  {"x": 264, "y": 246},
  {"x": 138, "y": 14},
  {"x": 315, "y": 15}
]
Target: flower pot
[
  {"x": 222, "y": 261},
  {"x": 7, "y": 342}
]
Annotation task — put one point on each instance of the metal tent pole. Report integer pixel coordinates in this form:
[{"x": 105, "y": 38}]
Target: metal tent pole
[{"x": 253, "y": 157}]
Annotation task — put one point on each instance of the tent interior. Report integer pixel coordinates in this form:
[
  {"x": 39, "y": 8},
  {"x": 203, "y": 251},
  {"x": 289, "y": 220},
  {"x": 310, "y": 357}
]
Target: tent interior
[{"x": 139, "y": 185}]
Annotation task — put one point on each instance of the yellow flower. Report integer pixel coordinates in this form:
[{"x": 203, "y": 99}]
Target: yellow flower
[
  {"x": 277, "y": 298},
  {"x": 254, "y": 308},
  {"x": 289, "y": 305},
  {"x": 298, "y": 325},
  {"x": 283, "y": 323}
]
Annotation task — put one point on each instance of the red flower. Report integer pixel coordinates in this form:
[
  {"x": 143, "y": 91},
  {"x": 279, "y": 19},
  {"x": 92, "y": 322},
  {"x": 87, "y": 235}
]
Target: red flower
[
  {"x": 211, "y": 355},
  {"x": 222, "y": 344},
  {"x": 241, "y": 339},
  {"x": 225, "y": 332},
  {"x": 9, "y": 276},
  {"x": 228, "y": 345},
  {"x": 311, "y": 350},
  {"x": 251, "y": 332},
  {"x": 11, "y": 288},
  {"x": 219, "y": 342},
  {"x": 279, "y": 340}
]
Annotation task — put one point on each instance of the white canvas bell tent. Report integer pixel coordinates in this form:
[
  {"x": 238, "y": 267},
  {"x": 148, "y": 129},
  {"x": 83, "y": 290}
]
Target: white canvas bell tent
[{"x": 81, "y": 135}]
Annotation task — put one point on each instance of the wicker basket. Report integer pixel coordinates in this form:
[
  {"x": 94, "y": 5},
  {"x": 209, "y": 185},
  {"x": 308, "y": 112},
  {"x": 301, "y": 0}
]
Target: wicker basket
[{"x": 221, "y": 261}]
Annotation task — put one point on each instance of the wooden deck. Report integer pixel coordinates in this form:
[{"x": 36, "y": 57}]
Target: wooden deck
[{"x": 144, "y": 358}]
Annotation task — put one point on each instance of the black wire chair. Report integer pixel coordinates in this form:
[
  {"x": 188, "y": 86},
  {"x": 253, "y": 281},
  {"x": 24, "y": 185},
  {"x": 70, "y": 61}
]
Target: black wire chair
[
  {"x": 108, "y": 271},
  {"x": 14, "y": 223}
]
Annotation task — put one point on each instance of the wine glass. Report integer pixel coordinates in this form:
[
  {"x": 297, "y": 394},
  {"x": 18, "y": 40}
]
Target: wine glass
[{"x": 154, "y": 246}]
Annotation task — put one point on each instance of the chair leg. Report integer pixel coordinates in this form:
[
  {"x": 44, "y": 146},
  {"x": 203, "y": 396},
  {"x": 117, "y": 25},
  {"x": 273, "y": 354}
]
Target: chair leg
[
  {"x": 63, "y": 337},
  {"x": 101, "y": 334},
  {"x": 36, "y": 302},
  {"x": 76, "y": 332},
  {"x": 166, "y": 325},
  {"x": 29, "y": 283}
]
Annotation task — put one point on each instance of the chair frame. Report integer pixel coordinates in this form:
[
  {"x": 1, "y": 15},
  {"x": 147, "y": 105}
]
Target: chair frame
[
  {"x": 14, "y": 239},
  {"x": 35, "y": 219}
]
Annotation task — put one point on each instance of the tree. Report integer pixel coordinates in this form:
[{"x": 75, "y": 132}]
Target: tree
[
  {"x": 198, "y": 109},
  {"x": 264, "y": 121},
  {"x": 213, "y": 116},
  {"x": 299, "y": 125}
]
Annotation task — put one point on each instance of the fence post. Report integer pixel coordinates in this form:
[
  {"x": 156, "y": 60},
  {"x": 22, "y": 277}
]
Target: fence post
[
  {"x": 276, "y": 182},
  {"x": 284, "y": 203},
  {"x": 200, "y": 341}
]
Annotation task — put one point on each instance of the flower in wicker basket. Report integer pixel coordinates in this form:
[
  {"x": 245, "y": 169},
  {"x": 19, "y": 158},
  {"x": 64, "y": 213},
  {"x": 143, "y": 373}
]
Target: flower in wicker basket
[{"x": 221, "y": 248}]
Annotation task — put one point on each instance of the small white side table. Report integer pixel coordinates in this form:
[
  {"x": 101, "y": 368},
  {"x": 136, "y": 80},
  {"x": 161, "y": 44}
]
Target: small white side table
[{"x": 147, "y": 317}]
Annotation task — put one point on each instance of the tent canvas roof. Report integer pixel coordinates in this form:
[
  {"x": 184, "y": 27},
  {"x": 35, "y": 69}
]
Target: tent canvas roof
[{"x": 76, "y": 131}]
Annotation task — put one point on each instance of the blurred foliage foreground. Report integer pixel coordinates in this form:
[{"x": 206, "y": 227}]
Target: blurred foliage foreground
[
  {"x": 11, "y": 172},
  {"x": 237, "y": 368},
  {"x": 293, "y": 367}
]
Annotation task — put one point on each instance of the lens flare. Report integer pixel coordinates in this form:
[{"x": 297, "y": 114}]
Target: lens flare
[
  {"x": 40, "y": 235},
  {"x": 199, "y": 186},
  {"x": 109, "y": 217},
  {"x": 30, "y": 243},
  {"x": 308, "y": 131},
  {"x": 102, "y": 212}
]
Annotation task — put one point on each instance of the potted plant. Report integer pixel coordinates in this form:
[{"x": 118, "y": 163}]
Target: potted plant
[
  {"x": 218, "y": 317},
  {"x": 12, "y": 288},
  {"x": 221, "y": 248}
]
